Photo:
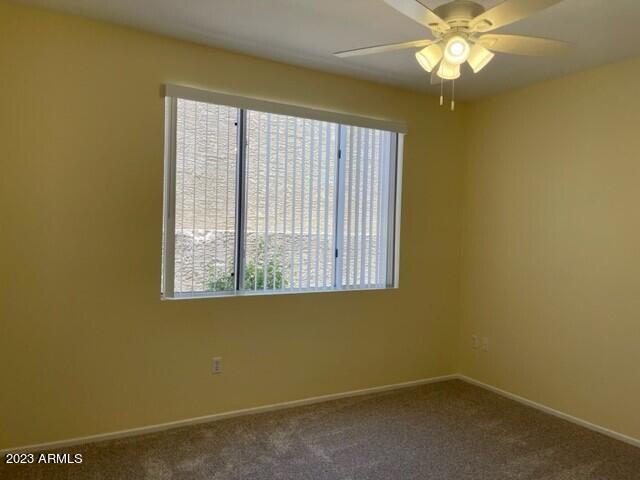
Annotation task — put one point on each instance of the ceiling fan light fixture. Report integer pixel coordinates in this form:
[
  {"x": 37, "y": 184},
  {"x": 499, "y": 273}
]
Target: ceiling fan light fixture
[
  {"x": 449, "y": 71},
  {"x": 479, "y": 57},
  {"x": 458, "y": 28},
  {"x": 429, "y": 57},
  {"x": 457, "y": 50}
]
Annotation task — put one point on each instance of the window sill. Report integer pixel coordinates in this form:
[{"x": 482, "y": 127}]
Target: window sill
[{"x": 269, "y": 293}]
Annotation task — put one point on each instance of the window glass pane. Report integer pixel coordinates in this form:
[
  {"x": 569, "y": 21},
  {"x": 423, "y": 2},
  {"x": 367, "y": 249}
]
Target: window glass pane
[
  {"x": 290, "y": 209},
  {"x": 317, "y": 207},
  {"x": 365, "y": 247},
  {"x": 205, "y": 207}
]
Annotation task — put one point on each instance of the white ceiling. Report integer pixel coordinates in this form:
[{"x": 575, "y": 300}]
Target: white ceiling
[{"x": 305, "y": 32}]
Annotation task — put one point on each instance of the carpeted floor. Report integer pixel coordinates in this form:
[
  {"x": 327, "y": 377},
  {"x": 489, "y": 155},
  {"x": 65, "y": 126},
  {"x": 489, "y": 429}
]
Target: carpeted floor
[{"x": 448, "y": 430}]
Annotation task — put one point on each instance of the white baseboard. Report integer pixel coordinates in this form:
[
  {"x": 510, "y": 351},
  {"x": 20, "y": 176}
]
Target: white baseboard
[
  {"x": 309, "y": 401},
  {"x": 220, "y": 416},
  {"x": 538, "y": 406}
]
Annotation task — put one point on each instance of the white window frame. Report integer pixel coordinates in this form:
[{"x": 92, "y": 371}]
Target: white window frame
[{"x": 174, "y": 92}]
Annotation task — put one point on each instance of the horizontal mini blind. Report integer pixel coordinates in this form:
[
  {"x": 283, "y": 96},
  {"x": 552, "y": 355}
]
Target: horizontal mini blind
[{"x": 290, "y": 203}]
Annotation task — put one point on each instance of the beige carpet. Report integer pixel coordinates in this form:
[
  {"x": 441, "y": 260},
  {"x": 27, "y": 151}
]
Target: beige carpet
[{"x": 449, "y": 430}]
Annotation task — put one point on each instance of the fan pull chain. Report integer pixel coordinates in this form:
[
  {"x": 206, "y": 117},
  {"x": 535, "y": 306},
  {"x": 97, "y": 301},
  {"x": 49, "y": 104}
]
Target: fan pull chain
[
  {"x": 441, "y": 92},
  {"x": 453, "y": 95}
]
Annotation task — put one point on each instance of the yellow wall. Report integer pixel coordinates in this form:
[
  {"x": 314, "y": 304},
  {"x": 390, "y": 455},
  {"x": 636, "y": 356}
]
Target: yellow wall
[
  {"x": 86, "y": 345},
  {"x": 519, "y": 223},
  {"x": 551, "y": 241}
]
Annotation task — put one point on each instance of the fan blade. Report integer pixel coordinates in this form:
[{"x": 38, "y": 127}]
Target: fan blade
[
  {"x": 507, "y": 12},
  {"x": 383, "y": 48},
  {"x": 416, "y": 11},
  {"x": 518, "y": 45}
]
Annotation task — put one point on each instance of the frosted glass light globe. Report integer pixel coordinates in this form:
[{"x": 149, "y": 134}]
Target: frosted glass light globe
[{"x": 457, "y": 50}]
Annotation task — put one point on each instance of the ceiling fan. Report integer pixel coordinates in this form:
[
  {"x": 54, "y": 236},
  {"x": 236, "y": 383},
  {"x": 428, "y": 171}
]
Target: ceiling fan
[{"x": 460, "y": 35}]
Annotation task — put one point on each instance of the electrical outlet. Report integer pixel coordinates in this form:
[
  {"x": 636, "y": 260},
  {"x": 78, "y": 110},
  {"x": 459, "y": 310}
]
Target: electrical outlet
[
  {"x": 475, "y": 342},
  {"x": 485, "y": 344},
  {"x": 216, "y": 365}
]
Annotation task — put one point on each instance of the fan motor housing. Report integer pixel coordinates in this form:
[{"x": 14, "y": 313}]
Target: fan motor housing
[{"x": 459, "y": 12}]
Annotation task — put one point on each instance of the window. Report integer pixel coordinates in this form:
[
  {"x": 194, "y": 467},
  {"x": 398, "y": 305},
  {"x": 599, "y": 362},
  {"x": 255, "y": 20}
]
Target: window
[{"x": 263, "y": 198}]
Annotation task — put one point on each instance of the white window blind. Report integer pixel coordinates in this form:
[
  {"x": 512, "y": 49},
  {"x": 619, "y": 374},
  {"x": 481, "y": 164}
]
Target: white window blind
[
  {"x": 205, "y": 207},
  {"x": 366, "y": 218},
  {"x": 290, "y": 202},
  {"x": 259, "y": 202}
]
